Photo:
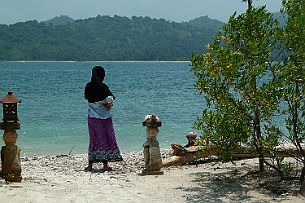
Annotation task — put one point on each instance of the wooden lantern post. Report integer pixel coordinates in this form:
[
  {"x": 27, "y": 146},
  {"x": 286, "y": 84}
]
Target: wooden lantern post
[{"x": 10, "y": 153}]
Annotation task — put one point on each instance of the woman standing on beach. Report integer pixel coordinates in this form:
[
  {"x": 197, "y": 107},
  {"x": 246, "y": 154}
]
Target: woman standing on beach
[{"x": 102, "y": 145}]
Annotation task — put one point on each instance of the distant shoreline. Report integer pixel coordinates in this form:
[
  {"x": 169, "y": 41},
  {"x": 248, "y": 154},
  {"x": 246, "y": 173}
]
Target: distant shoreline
[{"x": 140, "y": 61}]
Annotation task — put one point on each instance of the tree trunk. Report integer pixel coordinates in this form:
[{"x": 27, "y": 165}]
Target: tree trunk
[
  {"x": 257, "y": 128},
  {"x": 257, "y": 131},
  {"x": 249, "y": 3},
  {"x": 302, "y": 189},
  {"x": 184, "y": 155}
]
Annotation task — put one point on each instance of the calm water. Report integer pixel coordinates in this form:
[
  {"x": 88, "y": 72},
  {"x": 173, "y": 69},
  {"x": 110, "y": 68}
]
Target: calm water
[{"x": 53, "y": 112}]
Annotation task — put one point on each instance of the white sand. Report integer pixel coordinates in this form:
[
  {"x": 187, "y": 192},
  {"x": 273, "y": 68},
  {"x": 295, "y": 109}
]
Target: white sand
[{"x": 62, "y": 179}]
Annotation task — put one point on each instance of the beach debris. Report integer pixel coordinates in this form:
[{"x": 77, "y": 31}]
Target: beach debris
[
  {"x": 186, "y": 154},
  {"x": 197, "y": 151},
  {"x": 152, "y": 154},
  {"x": 71, "y": 150},
  {"x": 192, "y": 139}
]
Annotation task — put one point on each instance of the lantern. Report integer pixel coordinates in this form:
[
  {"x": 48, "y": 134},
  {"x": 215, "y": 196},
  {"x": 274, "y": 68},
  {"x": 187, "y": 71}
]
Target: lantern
[
  {"x": 10, "y": 107},
  {"x": 10, "y": 153}
]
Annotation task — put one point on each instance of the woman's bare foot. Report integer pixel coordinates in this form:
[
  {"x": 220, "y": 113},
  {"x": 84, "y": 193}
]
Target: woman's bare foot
[
  {"x": 106, "y": 167},
  {"x": 88, "y": 168}
]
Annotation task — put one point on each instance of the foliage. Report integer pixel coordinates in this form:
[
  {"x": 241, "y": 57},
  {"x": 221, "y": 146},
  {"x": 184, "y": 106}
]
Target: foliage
[
  {"x": 291, "y": 75},
  {"x": 245, "y": 88},
  {"x": 286, "y": 167},
  {"x": 106, "y": 38},
  {"x": 237, "y": 80}
]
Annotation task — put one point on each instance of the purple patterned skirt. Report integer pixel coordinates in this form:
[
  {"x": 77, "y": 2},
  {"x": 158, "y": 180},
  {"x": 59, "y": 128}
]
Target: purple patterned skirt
[{"x": 102, "y": 146}]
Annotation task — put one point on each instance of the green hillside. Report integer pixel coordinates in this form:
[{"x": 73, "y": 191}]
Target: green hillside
[
  {"x": 106, "y": 38},
  {"x": 59, "y": 20}
]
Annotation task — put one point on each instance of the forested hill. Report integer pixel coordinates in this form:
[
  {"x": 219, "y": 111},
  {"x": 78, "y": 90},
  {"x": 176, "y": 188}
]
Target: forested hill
[{"x": 106, "y": 38}]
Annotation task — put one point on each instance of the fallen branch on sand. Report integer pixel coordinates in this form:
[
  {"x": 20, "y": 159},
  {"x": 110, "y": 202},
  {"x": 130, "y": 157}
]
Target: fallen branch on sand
[{"x": 184, "y": 155}]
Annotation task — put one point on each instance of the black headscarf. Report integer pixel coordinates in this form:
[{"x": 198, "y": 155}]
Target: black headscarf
[{"x": 96, "y": 90}]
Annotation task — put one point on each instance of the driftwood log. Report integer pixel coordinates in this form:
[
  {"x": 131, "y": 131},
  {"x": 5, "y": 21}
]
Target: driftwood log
[{"x": 184, "y": 155}]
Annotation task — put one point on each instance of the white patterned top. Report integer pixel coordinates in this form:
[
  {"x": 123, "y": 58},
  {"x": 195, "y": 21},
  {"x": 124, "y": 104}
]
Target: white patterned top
[{"x": 98, "y": 109}]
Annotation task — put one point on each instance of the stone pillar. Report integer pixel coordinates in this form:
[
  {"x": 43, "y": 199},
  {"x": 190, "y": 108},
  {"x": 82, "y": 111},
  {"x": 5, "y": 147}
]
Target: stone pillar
[
  {"x": 10, "y": 153},
  {"x": 152, "y": 155}
]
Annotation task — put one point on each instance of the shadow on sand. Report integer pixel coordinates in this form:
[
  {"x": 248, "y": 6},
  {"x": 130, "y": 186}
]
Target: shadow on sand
[{"x": 229, "y": 186}]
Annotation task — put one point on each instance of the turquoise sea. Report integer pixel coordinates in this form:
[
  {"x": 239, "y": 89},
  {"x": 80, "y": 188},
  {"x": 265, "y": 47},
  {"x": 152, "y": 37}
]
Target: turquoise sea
[{"x": 53, "y": 111}]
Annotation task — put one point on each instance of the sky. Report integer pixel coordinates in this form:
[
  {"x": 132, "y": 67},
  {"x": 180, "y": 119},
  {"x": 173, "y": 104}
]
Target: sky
[{"x": 13, "y": 11}]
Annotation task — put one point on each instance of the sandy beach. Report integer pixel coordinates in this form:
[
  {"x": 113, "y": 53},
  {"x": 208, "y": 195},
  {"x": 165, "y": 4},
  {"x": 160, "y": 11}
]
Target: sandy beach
[{"x": 62, "y": 179}]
